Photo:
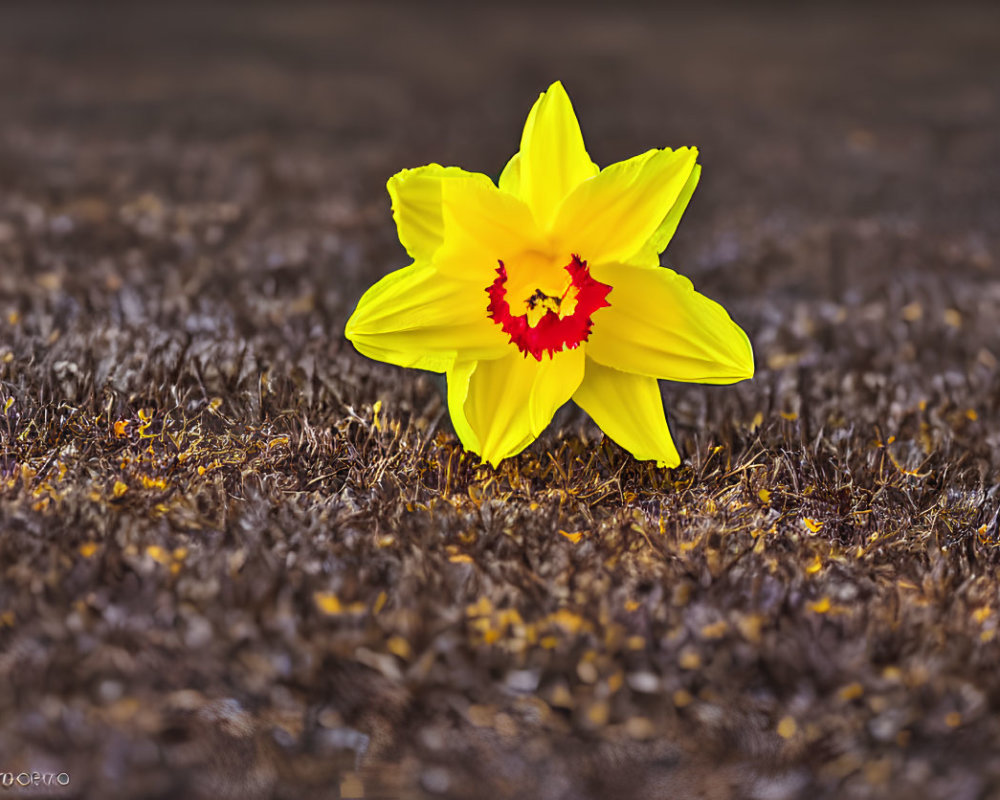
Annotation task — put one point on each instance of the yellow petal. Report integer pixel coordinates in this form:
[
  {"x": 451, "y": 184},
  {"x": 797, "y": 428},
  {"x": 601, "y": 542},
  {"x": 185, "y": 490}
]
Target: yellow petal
[
  {"x": 553, "y": 160},
  {"x": 510, "y": 178},
  {"x": 650, "y": 254},
  {"x": 416, "y": 317},
  {"x": 509, "y": 401},
  {"x": 658, "y": 325},
  {"x": 629, "y": 409},
  {"x": 458, "y": 389},
  {"x": 416, "y": 205},
  {"x": 613, "y": 216},
  {"x": 483, "y": 225}
]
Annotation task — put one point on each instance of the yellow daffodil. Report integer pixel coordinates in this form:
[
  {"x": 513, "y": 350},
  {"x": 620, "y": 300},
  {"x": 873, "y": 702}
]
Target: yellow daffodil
[{"x": 548, "y": 287}]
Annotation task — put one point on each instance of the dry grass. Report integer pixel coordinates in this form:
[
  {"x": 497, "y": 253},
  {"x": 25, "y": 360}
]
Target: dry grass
[{"x": 237, "y": 559}]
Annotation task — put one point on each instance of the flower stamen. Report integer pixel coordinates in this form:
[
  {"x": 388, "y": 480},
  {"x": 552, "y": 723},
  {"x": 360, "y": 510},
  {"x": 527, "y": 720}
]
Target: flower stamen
[{"x": 550, "y": 323}]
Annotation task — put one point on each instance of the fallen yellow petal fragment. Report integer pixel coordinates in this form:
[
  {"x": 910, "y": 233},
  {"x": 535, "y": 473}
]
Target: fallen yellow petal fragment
[
  {"x": 813, "y": 525},
  {"x": 573, "y": 537},
  {"x": 750, "y": 627},
  {"x": 821, "y": 606},
  {"x": 568, "y": 620},
  {"x": 328, "y": 603},
  {"x": 787, "y": 727},
  {"x": 508, "y": 617},
  {"x": 398, "y": 646},
  {"x": 480, "y": 608},
  {"x": 689, "y": 659},
  {"x": 892, "y": 673},
  {"x": 158, "y": 554},
  {"x": 119, "y": 489},
  {"x": 716, "y": 630},
  {"x": 87, "y": 549},
  {"x": 851, "y": 692},
  {"x": 598, "y": 713}
]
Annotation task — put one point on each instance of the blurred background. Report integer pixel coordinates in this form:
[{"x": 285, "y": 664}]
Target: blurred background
[
  {"x": 812, "y": 119},
  {"x": 192, "y": 198}
]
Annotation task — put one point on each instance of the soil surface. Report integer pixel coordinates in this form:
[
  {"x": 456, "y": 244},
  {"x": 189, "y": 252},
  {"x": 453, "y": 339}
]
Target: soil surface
[{"x": 239, "y": 560}]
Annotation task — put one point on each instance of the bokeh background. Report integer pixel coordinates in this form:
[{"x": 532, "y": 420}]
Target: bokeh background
[{"x": 226, "y": 572}]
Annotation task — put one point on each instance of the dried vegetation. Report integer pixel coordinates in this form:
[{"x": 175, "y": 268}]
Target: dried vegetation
[{"x": 239, "y": 560}]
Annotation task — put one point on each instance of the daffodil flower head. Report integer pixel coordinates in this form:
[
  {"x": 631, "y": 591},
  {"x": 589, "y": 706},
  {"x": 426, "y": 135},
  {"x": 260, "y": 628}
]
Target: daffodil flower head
[{"x": 546, "y": 287}]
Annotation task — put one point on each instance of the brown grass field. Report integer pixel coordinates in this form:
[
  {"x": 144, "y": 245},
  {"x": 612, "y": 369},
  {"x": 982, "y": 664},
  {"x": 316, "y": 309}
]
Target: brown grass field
[{"x": 239, "y": 560}]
